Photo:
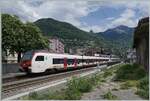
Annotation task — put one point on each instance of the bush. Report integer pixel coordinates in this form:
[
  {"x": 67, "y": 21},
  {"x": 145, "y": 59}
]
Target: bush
[
  {"x": 55, "y": 96},
  {"x": 75, "y": 88},
  {"x": 85, "y": 85},
  {"x": 107, "y": 73},
  {"x": 109, "y": 96},
  {"x": 143, "y": 87},
  {"x": 33, "y": 96},
  {"x": 81, "y": 84},
  {"x": 136, "y": 76},
  {"x": 72, "y": 94},
  {"x": 130, "y": 72},
  {"x": 95, "y": 79}
]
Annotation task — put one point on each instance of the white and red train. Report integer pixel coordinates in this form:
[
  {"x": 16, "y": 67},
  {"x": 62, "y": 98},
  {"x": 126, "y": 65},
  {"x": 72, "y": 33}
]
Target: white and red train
[{"x": 38, "y": 62}]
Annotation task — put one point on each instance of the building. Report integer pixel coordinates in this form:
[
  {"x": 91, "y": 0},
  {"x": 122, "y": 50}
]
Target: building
[
  {"x": 141, "y": 43},
  {"x": 9, "y": 58},
  {"x": 94, "y": 51},
  {"x": 131, "y": 55},
  {"x": 56, "y": 45},
  {"x": 80, "y": 51}
]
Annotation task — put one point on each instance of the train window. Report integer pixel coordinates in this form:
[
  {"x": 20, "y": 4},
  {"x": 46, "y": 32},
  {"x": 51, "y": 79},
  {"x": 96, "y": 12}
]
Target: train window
[
  {"x": 70, "y": 61},
  {"x": 39, "y": 58},
  {"x": 78, "y": 61},
  {"x": 58, "y": 61},
  {"x": 86, "y": 60},
  {"x": 27, "y": 56},
  {"x": 83, "y": 60}
]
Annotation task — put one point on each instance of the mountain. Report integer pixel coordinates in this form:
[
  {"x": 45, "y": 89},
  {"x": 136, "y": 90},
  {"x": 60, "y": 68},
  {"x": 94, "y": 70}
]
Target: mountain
[
  {"x": 116, "y": 40},
  {"x": 120, "y": 32},
  {"x": 69, "y": 34},
  {"x": 120, "y": 38}
]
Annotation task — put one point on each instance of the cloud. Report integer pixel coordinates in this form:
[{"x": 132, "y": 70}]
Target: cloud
[
  {"x": 19, "y": 8},
  {"x": 72, "y": 11},
  {"x": 31, "y": 10},
  {"x": 141, "y": 6},
  {"x": 110, "y": 18},
  {"x": 126, "y": 18}
]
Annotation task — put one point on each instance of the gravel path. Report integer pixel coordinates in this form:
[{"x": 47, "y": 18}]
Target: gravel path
[
  {"x": 100, "y": 90},
  {"x": 126, "y": 95}
]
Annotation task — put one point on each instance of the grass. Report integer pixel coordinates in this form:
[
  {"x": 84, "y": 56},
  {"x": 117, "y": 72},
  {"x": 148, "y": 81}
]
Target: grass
[
  {"x": 109, "y": 96},
  {"x": 143, "y": 87},
  {"x": 133, "y": 75},
  {"x": 103, "y": 80},
  {"x": 47, "y": 96},
  {"x": 75, "y": 87},
  {"x": 128, "y": 84},
  {"x": 130, "y": 72},
  {"x": 107, "y": 73}
]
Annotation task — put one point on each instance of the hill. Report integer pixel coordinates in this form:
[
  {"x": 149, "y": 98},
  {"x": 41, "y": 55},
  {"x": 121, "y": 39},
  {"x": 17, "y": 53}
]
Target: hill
[
  {"x": 120, "y": 38},
  {"x": 69, "y": 34},
  {"x": 116, "y": 40},
  {"x": 120, "y": 33}
]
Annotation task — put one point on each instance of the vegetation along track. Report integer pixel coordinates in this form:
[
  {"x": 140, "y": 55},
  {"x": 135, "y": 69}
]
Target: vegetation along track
[
  {"x": 24, "y": 76},
  {"x": 16, "y": 87},
  {"x": 12, "y": 88},
  {"x": 29, "y": 76}
]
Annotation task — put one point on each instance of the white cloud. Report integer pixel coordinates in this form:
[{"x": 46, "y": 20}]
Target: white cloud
[
  {"x": 126, "y": 18},
  {"x": 67, "y": 11},
  {"x": 110, "y": 18},
  {"x": 72, "y": 11},
  {"x": 19, "y": 8}
]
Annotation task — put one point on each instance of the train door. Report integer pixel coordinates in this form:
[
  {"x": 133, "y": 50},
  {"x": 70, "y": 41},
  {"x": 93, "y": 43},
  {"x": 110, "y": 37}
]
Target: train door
[
  {"x": 48, "y": 62},
  {"x": 39, "y": 65}
]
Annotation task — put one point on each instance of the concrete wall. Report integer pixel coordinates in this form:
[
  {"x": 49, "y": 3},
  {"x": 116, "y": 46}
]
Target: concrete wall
[
  {"x": 141, "y": 43},
  {"x": 10, "y": 68}
]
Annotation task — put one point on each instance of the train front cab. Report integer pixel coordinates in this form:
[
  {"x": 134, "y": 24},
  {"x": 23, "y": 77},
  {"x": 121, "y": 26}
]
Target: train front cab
[
  {"x": 26, "y": 62},
  {"x": 32, "y": 62}
]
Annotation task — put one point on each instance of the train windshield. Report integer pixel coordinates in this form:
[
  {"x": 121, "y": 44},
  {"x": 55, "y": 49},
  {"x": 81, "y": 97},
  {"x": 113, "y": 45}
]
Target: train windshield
[{"x": 27, "y": 56}]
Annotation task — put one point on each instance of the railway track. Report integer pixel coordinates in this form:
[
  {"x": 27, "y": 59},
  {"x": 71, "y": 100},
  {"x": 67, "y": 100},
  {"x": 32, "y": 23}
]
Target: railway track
[
  {"x": 27, "y": 76},
  {"x": 23, "y": 85},
  {"x": 24, "y": 76},
  {"x": 12, "y": 88}
]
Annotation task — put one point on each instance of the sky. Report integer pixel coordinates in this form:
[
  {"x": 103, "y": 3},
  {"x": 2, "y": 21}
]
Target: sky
[{"x": 96, "y": 15}]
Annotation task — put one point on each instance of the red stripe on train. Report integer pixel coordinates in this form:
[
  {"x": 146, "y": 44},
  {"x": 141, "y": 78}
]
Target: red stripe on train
[
  {"x": 65, "y": 63},
  {"x": 75, "y": 63}
]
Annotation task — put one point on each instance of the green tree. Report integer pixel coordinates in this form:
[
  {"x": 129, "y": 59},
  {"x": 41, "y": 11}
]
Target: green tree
[{"x": 19, "y": 37}]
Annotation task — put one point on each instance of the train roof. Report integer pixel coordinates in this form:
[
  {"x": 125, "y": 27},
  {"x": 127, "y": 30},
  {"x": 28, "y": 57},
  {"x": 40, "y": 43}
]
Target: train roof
[
  {"x": 72, "y": 56},
  {"x": 68, "y": 55}
]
